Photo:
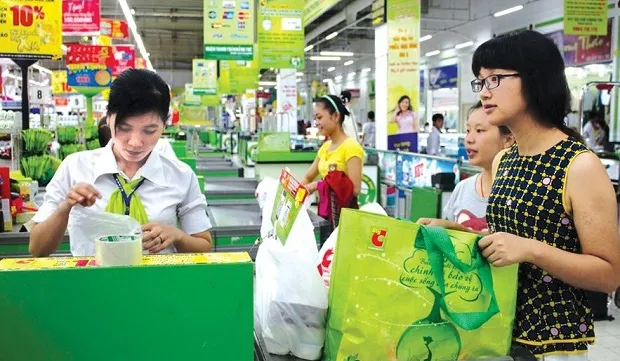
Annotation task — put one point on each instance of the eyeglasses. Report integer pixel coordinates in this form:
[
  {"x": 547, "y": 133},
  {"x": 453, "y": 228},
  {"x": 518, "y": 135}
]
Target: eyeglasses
[{"x": 491, "y": 82}]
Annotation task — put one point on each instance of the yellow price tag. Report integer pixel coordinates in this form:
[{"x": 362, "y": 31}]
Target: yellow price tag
[{"x": 31, "y": 29}]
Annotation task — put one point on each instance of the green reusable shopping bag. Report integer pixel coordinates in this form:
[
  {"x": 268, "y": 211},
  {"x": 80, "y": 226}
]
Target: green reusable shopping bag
[{"x": 400, "y": 291}]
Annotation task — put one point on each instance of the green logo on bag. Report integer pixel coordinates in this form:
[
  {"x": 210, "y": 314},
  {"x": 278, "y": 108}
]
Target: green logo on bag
[{"x": 368, "y": 193}]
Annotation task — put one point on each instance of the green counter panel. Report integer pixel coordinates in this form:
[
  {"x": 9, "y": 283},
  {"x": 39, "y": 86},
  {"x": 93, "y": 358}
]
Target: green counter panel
[
  {"x": 191, "y": 161},
  {"x": 219, "y": 174},
  {"x": 181, "y": 313},
  {"x": 285, "y": 157},
  {"x": 211, "y": 197},
  {"x": 180, "y": 148}
]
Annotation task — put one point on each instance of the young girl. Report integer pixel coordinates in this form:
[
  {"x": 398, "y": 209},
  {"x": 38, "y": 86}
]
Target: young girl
[
  {"x": 552, "y": 207},
  {"x": 467, "y": 206}
]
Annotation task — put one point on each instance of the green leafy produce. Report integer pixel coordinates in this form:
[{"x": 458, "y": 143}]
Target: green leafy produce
[
  {"x": 36, "y": 166},
  {"x": 68, "y": 135},
  {"x": 93, "y": 144},
  {"x": 36, "y": 140},
  {"x": 67, "y": 149},
  {"x": 90, "y": 132}
]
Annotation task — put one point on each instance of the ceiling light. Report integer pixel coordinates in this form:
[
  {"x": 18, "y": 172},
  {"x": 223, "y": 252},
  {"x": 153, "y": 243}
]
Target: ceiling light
[
  {"x": 464, "y": 45},
  {"x": 331, "y": 36},
  {"x": 325, "y": 58},
  {"x": 351, "y": 74},
  {"x": 261, "y": 88},
  {"x": 134, "y": 29},
  {"x": 326, "y": 80},
  {"x": 299, "y": 73},
  {"x": 426, "y": 37},
  {"x": 309, "y": 47},
  {"x": 347, "y": 63},
  {"x": 298, "y": 80},
  {"x": 337, "y": 53},
  {"x": 508, "y": 11},
  {"x": 433, "y": 53},
  {"x": 338, "y": 78},
  {"x": 366, "y": 70},
  {"x": 267, "y": 83},
  {"x": 133, "y": 11},
  {"x": 331, "y": 68}
]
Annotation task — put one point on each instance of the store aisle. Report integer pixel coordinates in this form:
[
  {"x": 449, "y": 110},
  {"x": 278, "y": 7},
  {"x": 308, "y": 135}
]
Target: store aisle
[{"x": 607, "y": 347}]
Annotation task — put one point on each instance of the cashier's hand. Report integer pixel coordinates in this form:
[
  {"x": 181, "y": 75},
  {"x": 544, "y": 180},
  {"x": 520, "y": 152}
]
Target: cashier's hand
[
  {"x": 83, "y": 194},
  {"x": 505, "y": 249},
  {"x": 311, "y": 187},
  {"x": 158, "y": 237}
]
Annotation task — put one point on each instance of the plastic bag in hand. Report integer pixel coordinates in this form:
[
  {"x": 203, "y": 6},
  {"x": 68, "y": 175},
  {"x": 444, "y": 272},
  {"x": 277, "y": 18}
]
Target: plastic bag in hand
[
  {"x": 89, "y": 224},
  {"x": 326, "y": 254},
  {"x": 290, "y": 299}
]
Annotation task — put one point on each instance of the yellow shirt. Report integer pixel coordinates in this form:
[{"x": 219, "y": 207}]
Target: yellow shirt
[{"x": 339, "y": 156}]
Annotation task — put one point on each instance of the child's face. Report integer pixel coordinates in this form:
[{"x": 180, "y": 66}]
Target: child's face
[{"x": 483, "y": 140}]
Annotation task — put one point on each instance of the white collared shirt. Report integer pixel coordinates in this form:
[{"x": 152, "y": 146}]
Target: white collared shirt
[
  {"x": 170, "y": 194},
  {"x": 164, "y": 147}
]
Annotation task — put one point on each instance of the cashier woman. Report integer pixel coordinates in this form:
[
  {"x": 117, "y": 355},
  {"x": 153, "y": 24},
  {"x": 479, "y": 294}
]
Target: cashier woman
[{"x": 128, "y": 176}]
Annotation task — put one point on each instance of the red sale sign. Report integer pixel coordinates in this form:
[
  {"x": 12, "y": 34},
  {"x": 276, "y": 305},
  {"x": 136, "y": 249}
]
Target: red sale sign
[
  {"x": 116, "y": 29},
  {"x": 81, "y": 17},
  {"x": 123, "y": 58}
]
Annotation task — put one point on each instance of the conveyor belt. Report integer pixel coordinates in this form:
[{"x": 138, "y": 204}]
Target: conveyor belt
[
  {"x": 230, "y": 188},
  {"x": 219, "y": 171},
  {"x": 15, "y": 244}
]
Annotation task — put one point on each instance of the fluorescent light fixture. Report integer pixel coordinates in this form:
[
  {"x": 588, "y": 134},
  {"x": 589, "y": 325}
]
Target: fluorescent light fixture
[
  {"x": 464, "y": 45},
  {"x": 326, "y": 80},
  {"x": 267, "y": 83},
  {"x": 426, "y": 37},
  {"x": 133, "y": 11},
  {"x": 298, "y": 80},
  {"x": 433, "y": 53},
  {"x": 347, "y": 63},
  {"x": 42, "y": 69},
  {"x": 309, "y": 47},
  {"x": 134, "y": 30},
  {"x": 337, "y": 53},
  {"x": 261, "y": 88},
  {"x": 325, "y": 58},
  {"x": 331, "y": 36},
  {"x": 299, "y": 73},
  {"x": 338, "y": 78},
  {"x": 330, "y": 69},
  {"x": 508, "y": 11},
  {"x": 351, "y": 74},
  {"x": 366, "y": 70}
]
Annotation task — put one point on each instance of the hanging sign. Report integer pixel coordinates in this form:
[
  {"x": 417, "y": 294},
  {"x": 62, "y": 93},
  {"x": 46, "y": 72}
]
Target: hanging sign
[
  {"x": 81, "y": 17},
  {"x": 204, "y": 76},
  {"x": 124, "y": 57},
  {"x": 30, "y": 29},
  {"x": 115, "y": 29},
  {"x": 59, "y": 82},
  {"x": 444, "y": 77},
  {"x": 229, "y": 29},
  {"x": 281, "y": 34},
  {"x": 315, "y": 8},
  {"x": 88, "y": 65},
  {"x": 585, "y": 17}
]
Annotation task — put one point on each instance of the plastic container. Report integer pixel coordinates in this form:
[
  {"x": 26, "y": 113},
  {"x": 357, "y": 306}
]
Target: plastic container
[{"x": 118, "y": 250}]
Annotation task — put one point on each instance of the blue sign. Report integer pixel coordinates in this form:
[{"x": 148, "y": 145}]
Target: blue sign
[
  {"x": 89, "y": 77},
  {"x": 415, "y": 171},
  {"x": 443, "y": 77},
  {"x": 407, "y": 142}
]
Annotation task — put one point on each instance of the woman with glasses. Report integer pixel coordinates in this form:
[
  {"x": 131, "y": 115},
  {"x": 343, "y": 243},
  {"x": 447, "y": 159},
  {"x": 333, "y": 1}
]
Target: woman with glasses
[{"x": 552, "y": 208}]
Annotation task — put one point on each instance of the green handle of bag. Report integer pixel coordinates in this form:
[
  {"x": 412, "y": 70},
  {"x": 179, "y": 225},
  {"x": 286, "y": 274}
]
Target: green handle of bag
[{"x": 439, "y": 247}]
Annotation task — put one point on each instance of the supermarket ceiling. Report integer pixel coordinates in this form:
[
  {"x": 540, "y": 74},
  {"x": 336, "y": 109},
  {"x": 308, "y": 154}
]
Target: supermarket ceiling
[{"x": 172, "y": 31}]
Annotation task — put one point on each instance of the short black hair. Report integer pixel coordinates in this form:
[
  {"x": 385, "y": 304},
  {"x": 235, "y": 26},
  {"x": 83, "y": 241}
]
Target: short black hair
[
  {"x": 340, "y": 108},
  {"x": 502, "y": 128},
  {"x": 345, "y": 94},
  {"x": 137, "y": 92},
  {"x": 437, "y": 117},
  {"x": 104, "y": 132},
  {"x": 541, "y": 68},
  {"x": 371, "y": 115}
]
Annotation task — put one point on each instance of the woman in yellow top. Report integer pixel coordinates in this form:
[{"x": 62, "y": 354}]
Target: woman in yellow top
[{"x": 338, "y": 153}]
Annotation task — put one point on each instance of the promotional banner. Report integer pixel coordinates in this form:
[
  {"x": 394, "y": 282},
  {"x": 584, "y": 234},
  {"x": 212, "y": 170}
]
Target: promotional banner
[
  {"x": 242, "y": 75},
  {"x": 443, "y": 77},
  {"x": 115, "y": 29},
  {"x": 585, "y": 17},
  {"x": 315, "y": 8},
  {"x": 204, "y": 76},
  {"x": 580, "y": 50},
  {"x": 30, "y": 29},
  {"x": 124, "y": 58},
  {"x": 287, "y": 101},
  {"x": 88, "y": 65},
  {"x": 229, "y": 29},
  {"x": 59, "y": 83},
  {"x": 81, "y": 17},
  {"x": 413, "y": 171},
  {"x": 281, "y": 34},
  {"x": 403, "y": 74}
]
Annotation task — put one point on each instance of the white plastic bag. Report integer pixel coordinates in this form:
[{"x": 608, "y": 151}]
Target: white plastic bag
[
  {"x": 89, "y": 225},
  {"x": 326, "y": 254},
  {"x": 290, "y": 298}
]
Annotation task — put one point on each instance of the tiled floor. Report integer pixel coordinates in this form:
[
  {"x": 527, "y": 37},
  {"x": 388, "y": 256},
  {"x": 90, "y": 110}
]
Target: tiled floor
[{"x": 607, "y": 346}]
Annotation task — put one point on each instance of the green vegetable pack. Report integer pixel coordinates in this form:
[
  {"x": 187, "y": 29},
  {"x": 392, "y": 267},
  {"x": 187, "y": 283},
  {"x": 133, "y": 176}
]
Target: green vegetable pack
[{"x": 401, "y": 291}]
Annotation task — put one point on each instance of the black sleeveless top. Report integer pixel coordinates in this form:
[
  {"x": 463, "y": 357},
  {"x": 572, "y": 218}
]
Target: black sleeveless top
[{"x": 527, "y": 200}]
